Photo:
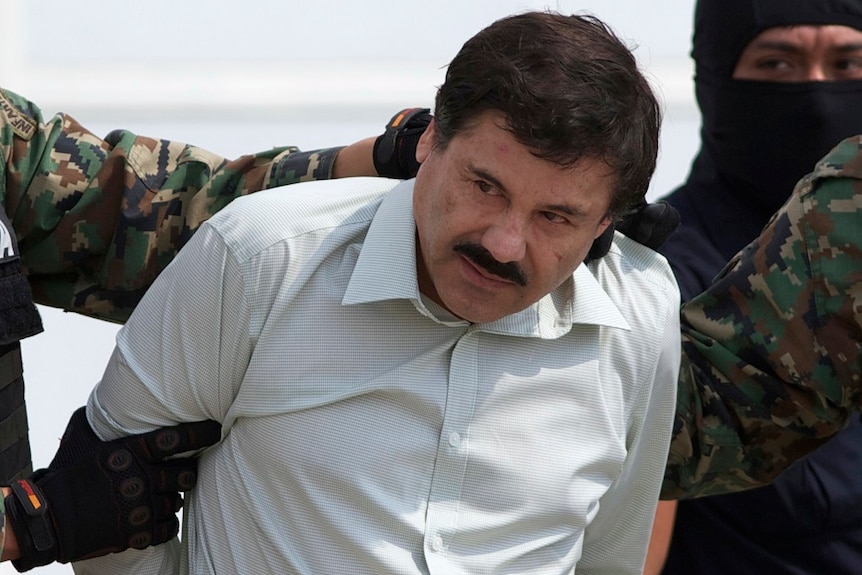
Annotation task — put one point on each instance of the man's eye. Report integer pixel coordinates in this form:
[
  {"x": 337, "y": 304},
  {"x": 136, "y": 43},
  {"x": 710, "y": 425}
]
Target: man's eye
[
  {"x": 850, "y": 68},
  {"x": 485, "y": 187},
  {"x": 554, "y": 218},
  {"x": 773, "y": 64},
  {"x": 848, "y": 64}
]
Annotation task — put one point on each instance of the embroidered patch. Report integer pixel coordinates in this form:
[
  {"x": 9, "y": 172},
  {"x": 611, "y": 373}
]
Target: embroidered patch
[{"x": 23, "y": 126}]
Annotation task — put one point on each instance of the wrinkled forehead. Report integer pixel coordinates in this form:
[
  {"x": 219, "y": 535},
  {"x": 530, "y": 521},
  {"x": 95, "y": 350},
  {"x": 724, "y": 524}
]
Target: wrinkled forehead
[{"x": 723, "y": 28}]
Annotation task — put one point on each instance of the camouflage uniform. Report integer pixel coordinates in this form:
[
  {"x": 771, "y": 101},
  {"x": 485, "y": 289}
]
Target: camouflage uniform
[
  {"x": 96, "y": 220},
  {"x": 772, "y": 352}
]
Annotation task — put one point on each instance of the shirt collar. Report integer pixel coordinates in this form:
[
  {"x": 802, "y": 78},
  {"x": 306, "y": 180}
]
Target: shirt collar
[{"x": 386, "y": 269}]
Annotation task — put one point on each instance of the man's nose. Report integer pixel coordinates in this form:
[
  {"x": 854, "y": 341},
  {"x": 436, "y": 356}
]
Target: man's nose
[
  {"x": 815, "y": 72},
  {"x": 506, "y": 240}
]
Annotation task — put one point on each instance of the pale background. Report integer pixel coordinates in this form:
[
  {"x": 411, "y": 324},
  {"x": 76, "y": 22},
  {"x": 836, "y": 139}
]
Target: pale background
[{"x": 238, "y": 77}]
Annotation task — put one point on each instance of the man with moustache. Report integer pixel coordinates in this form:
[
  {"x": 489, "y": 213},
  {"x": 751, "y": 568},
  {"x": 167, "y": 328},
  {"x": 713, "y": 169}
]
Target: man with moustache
[
  {"x": 744, "y": 458},
  {"x": 424, "y": 376}
]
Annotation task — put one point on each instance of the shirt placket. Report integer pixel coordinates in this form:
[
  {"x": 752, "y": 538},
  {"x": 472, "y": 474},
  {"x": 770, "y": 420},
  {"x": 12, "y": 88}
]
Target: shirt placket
[{"x": 453, "y": 449}]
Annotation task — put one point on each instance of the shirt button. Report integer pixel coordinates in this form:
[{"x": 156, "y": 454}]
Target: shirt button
[
  {"x": 454, "y": 439},
  {"x": 437, "y": 543}
]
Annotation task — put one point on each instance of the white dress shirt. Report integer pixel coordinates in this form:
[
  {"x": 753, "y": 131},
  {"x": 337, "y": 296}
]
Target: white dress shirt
[{"x": 366, "y": 430}]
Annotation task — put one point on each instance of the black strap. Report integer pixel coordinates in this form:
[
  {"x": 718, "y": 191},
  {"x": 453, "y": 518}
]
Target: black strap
[
  {"x": 14, "y": 440},
  {"x": 27, "y": 512}
]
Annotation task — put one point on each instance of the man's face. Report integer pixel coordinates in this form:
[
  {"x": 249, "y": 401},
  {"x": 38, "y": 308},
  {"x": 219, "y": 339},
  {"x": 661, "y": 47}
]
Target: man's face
[
  {"x": 802, "y": 54},
  {"x": 499, "y": 228}
]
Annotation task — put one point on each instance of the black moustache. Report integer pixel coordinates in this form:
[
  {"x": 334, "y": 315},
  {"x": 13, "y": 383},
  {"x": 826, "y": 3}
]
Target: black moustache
[{"x": 483, "y": 258}]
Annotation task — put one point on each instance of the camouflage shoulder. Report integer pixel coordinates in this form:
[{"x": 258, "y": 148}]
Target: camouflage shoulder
[
  {"x": 844, "y": 160},
  {"x": 18, "y": 115}
]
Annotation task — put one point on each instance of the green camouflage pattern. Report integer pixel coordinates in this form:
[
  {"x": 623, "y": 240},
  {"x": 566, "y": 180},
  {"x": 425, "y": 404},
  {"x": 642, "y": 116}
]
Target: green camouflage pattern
[
  {"x": 98, "y": 219},
  {"x": 772, "y": 352}
]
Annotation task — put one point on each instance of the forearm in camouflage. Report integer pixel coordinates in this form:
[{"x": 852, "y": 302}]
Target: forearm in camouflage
[
  {"x": 98, "y": 219},
  {"x": 772, "y": 358}
]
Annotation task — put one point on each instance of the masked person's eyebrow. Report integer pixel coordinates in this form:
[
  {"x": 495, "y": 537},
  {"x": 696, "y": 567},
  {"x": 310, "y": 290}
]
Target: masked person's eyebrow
[{"x": 779, "y": 45}]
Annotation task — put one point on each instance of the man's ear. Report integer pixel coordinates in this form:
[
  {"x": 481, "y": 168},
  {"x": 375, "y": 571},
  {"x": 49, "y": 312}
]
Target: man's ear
[
  {"x": 603, "y": 241},
  {"x": 607, "y": 222},
  {"x": 426, "y": 142}
]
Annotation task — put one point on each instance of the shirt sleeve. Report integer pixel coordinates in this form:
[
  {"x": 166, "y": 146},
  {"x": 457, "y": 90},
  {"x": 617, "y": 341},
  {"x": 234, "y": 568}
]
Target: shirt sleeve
[
  {"x": 181, "y": 357},
  {"x": 772, "y": 352},
  {"x": 616, "y": 539},
  {"x": 98, "y": 219},
  {"x": 184, "y": 351}
]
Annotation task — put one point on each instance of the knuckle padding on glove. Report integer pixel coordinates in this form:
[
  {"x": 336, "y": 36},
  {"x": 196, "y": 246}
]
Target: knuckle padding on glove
[
  {"x": 650, "y": 224},
  {"x": 109, "y": 496}
]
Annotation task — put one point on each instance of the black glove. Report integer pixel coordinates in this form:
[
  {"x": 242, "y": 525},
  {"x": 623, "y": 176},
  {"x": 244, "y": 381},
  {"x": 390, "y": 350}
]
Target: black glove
[
  {"x": 650, "y": 224},
  {"x": 100, "y": 497},
  {"x": 395, "y": 150},
  {"x": 647, "y": 224}
]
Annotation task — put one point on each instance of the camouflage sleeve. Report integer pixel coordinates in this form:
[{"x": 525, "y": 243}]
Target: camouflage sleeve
[
  {"x": 772, "y": 352},
  {"x": 98, "y": 219}
]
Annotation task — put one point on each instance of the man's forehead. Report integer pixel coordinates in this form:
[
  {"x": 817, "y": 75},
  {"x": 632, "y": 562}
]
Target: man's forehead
[
  {"x": 837, "y": 36},
  {"x": 492, "y": 129},
  {"x": 487, "y": 149}
]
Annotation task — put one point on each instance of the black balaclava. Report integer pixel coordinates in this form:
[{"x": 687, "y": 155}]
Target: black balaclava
[{"x": 759, "y": 138}]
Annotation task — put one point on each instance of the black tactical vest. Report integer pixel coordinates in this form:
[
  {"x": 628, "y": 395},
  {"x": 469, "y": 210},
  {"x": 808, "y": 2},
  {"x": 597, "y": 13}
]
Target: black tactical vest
[{"x": 18, "y": 319}]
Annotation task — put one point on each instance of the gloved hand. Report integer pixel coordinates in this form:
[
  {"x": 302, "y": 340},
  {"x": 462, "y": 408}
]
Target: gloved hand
[
  {"x": 100, "y": 497},
  {"x": 395, "y": 149},
  {"x": 650, "y": 224},
  {"x": 647, "y": 224}
]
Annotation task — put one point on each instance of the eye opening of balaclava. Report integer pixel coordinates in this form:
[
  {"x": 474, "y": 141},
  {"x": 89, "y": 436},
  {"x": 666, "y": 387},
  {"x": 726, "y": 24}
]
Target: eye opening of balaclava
[
  {"x": 723, "y": 28},
  {"x": 759, "y": 138}
]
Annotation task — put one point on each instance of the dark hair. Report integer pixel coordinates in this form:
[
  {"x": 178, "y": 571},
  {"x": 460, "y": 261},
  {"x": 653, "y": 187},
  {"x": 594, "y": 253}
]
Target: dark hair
[{"x": 569, "y": 89}]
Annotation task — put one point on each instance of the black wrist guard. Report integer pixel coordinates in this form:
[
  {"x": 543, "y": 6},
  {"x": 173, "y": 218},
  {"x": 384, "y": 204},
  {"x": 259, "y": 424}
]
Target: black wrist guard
[
  {"x": 27, "y": 513},
  {"x": 395, "y": 149}
]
